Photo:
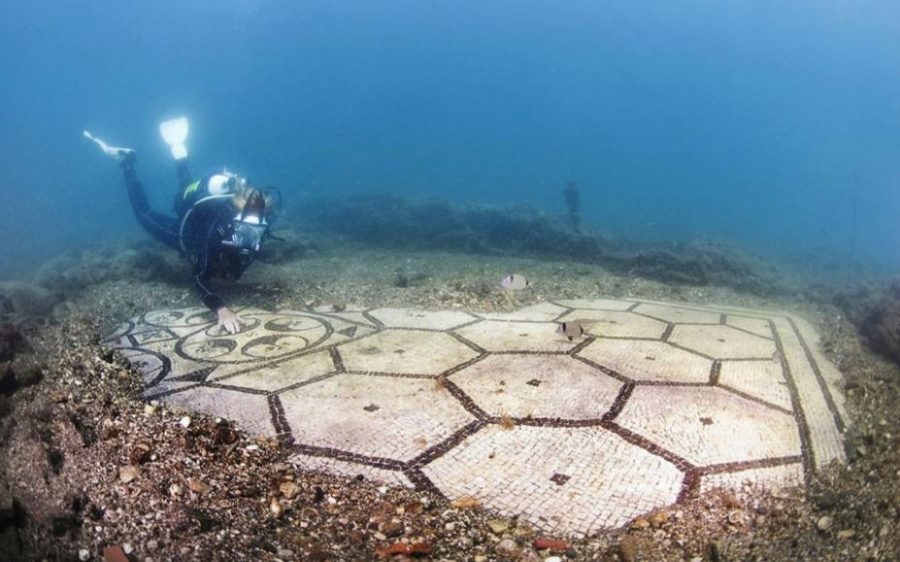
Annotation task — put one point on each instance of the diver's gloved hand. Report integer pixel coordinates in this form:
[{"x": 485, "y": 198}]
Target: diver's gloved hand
[
  {"x": 118, "y": 152},
  {"x": 228, "y": 320}
]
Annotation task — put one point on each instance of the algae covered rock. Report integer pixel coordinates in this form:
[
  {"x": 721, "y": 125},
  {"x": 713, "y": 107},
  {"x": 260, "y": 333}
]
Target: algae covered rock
[
  {"x": 148, "y": 264},
  {"x": 882, "y": 328},
  {"x": 12, "y": 342},
  {"x": 23, "y": 299},
  {"x": 387, "y": 220},
  {"x": 287, "y": 247}
]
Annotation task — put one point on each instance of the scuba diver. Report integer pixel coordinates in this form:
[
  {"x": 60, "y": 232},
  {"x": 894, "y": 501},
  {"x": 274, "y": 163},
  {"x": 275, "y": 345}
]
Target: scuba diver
[{"x": 220, "y": 223}]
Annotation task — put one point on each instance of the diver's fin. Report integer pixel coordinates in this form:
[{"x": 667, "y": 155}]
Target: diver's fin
[
  {"x": 175, "y": 133},
  {"x": 114, "y": 151}
]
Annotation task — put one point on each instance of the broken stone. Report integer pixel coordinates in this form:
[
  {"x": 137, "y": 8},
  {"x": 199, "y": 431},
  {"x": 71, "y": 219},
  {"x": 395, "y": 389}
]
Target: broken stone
[
  {"x": 628, "y": 548},
  {"x": 275, "y": 508},
  {"x": 129, "y": 473},
  {"x": 824, "y": 523},
  {"x": 288, "y": 489},
  {"x": 659, "y": 517},
  {"x": 466, "y": 502},
  {"x": 224, "y": 435},
  {"x": 736, "y": 517},
  {"x": 197, "y": 485},
  {"x": 140, "y": 454},
  {"x": 412, "y": 549},
  {"x": 550, "y": 544},
  {"x": 114, "y": 554},
  {"x": 498, "y": 526},
  {"x": 508, "y": 548},
  {"x": 392, "y": 529},
  {"x": 640, "y": 524}
]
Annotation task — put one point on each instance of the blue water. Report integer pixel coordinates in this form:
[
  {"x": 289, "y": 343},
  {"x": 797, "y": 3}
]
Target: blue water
[{"x": 772, "y": 125}]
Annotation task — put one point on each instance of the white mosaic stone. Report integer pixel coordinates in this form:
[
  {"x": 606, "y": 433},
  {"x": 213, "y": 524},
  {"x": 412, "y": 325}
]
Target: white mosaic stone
[
  {"x": 429, "y": 320},
  {"x": 249, "y": 411},
  {"x": 641, "y": 360},
  {"x": 824, "y": 435},
  {"x": 167, "y": 386},
  {"x": 194, "y": 317},
  {"x": 350, "y": 470},
  {"x": 148, "y": 365},
  {"x": 758, "y": 326},
  {"x": 150, "y": 336},
  {"x": 379, "y": 416},
  {"x": 596, "y": 304},
  {"x": 353, "y": 314},
  {"x": 281, "y": 374},
  {"x": 541, "y": 312},
  {"x": 830, "y": 374},
  {"x": 707, "y": 425},
  {"x": 767, "y": 478},
  {"x": 177, "y": 363},
  {"x": 266, "y": 336},
  {"x": 500, "y": 335},
  {"x": 421, "y": 403},
  {"x": 336, "y": 309},
  {"x": 534, "y": 386},
  {"x": 763, "y": 379},
  {"x": 605, "y": 480},
  {"x": 678, "y": 314},
  {"x": 405, "y": 351},
  {"x": 113, "y": 338},
  {"x": 713, "y": 307},
  {"x": 614, "y": 324},
  {"x": 722, "y": 342}
]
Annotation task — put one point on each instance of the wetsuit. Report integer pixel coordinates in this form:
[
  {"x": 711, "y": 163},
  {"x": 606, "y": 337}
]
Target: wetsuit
[{"x": 203, "y": 236}]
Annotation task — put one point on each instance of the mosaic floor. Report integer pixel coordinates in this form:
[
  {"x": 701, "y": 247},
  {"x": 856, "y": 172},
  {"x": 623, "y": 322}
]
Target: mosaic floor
[{"x": 658, "y": 402}]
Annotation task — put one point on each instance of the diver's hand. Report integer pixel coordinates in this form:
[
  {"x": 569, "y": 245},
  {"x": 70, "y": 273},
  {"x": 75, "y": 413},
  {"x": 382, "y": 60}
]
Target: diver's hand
[{"x": 228, "y": 320}]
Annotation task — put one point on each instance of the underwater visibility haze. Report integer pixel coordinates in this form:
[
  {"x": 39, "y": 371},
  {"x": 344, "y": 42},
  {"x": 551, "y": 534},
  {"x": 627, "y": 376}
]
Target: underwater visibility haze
[
  {"x": 774, "y": 127},
  {"x": 531, "y": 280}
]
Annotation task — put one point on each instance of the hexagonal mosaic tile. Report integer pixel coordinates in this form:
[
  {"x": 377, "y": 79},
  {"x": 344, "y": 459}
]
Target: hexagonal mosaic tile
[
  {"x": 656, "y": 403},
  {"x": 536, "y": 386}
]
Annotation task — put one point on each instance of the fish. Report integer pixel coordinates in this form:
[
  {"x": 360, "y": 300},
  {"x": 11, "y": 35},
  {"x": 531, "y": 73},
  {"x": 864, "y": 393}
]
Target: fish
[
  {"x": 514, "y": 281},
  {"x": 571, "y": 329}
]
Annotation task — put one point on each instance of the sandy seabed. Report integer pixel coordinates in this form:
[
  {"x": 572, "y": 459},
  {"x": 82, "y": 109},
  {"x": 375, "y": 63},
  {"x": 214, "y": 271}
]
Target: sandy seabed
[{"x": 86, "y": 465}]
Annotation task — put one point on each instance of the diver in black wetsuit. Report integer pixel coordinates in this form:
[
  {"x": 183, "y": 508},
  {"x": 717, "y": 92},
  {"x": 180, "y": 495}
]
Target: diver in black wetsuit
[{"x": 220, "y": 223}]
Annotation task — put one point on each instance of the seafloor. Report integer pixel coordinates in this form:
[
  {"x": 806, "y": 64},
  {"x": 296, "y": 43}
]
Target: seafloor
[{"x": 71, "y": 421}]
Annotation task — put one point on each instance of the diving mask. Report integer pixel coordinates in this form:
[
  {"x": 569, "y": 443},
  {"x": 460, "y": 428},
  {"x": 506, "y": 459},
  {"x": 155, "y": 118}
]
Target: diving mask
[{"x": 247, "y": 234}]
